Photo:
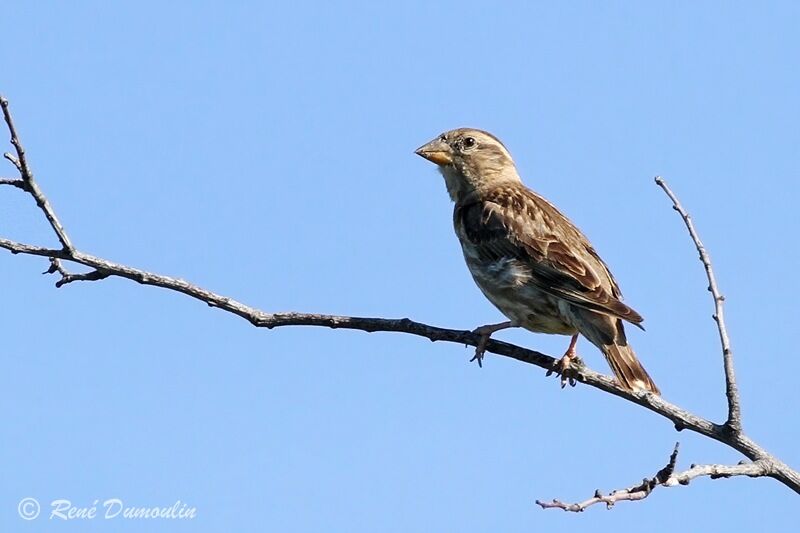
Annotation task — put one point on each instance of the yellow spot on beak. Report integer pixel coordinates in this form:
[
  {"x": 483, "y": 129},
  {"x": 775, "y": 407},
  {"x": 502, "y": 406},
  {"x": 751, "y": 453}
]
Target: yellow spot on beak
[
  {"x": 436, "y": 151},
  {"x": 438, "y": 157}
]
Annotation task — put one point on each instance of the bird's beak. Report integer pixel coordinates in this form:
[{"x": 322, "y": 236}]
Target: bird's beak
[{"x": 436, "y": 151}]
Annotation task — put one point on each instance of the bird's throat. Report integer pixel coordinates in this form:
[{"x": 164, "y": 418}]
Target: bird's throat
[{"x": 457, "y": 186}]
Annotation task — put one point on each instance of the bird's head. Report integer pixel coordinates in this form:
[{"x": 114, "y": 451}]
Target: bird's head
[{"x": 470, "y": 160}]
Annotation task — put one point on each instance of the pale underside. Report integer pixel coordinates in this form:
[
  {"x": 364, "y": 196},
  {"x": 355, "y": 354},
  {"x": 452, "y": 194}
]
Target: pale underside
[{"x": 507, "y": 284}]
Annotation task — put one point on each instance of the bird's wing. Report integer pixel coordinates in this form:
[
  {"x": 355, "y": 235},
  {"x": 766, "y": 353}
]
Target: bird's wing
[{"x": 512, "y": 222}]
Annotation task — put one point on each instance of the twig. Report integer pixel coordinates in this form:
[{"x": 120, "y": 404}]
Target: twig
[
  {"x": 19, "y": 184},
  {"x": 755, "y": 469},
  {"x": 14, "y": 160},
  {"x": 734, "y": 422},
  {"x": 637, "y": 492},
  {"x": 666, "y": 477},
  {"x": 68, "y": 277},
  {"x": 768, "y": 465},
  {"x": 21, "y": 162}
]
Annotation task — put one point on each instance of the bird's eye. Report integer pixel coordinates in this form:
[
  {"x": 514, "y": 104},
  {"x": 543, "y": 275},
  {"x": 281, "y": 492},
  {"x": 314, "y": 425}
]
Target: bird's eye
[
  {"x": 468, "y": 143},
  {"x": 443, "y": 138}
]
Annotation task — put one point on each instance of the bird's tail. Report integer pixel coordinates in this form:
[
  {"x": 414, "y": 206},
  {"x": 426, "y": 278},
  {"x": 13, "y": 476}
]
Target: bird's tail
[{"x": 627, "y": 368}]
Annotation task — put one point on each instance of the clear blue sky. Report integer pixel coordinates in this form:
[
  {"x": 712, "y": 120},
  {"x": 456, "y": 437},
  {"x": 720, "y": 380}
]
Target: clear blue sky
[{"x": 267, "y": 153}]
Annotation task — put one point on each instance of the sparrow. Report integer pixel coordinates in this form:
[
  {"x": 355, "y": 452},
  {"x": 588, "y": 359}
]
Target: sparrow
[{"x": 530, "y": 260}]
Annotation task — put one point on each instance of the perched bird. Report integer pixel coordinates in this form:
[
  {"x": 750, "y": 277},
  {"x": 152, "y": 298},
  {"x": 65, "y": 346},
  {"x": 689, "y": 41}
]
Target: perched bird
[{"x": 528, "y": 259}]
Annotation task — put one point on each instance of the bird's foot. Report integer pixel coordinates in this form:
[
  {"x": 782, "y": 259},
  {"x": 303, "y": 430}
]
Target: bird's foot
[
  {"x": 567, "y": 367},
  {"x": 486, "y": 333}
]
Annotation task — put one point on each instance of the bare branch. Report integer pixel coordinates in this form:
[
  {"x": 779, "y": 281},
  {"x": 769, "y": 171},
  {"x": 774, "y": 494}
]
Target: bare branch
[
  {"x": 763, "y": 464},
  {"x": 666, "y": 477},
  {"x": 756, "y": 469},
  {"x": 19, "y": 184},
  {"x": 14, "y": 160},
  {"x": 637, "y": 492},
  {"x": 734, "y": 422},
  {"x": 681, "y": 418},
  {"x": 68, "y": 277},
  {"x": 21, "y": 162}
]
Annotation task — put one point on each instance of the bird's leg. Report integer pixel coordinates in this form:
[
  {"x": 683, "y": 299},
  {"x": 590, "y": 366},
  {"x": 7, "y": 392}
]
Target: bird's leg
[
  {"x": 564, "y": 366},
  {"x": 486, "y": 333}
]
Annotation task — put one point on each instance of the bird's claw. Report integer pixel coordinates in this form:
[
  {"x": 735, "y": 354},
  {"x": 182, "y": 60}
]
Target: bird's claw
[
  {"x": 485, "y": 333},
  {"x": 480, "y": 349},
  {"x": 478, "y": 357},
  {"x": 567, "y": 367}
]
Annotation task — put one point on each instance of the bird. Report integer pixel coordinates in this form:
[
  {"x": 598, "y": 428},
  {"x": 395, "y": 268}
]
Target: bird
[{"x": 530, "y": 260}]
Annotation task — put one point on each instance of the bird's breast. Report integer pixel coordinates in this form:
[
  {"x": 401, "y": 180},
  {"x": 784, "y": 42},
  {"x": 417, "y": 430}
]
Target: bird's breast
[{"x": 506, "y": 282}]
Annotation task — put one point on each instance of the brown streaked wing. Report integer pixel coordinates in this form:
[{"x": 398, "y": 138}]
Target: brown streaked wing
[{"x": 513, "y": 222}]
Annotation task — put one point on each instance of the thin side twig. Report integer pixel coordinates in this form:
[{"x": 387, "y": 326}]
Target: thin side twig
[
  {"x": 19, "y": 184},
  {"x": 21, "y": 162},
  {"x": 754, "y": 469},
  {"x": 666, "y": 477},
  {"x": 637, "y": 492},
  {"x": 734, "y": 421},
  {"x": 69, "y": 277}
]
